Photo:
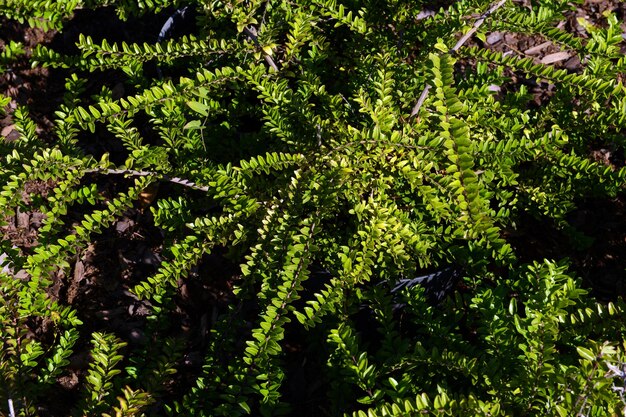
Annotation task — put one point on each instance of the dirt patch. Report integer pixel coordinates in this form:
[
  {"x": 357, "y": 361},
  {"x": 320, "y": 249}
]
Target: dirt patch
[{"x": 100, "y": 280}]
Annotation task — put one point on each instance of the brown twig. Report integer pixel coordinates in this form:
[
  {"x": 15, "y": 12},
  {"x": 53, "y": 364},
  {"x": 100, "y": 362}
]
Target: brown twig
[
  {"x": 251, "y": 32},
  {"x": 175, "y": 180},
  {"x": 456, "y": 47}
]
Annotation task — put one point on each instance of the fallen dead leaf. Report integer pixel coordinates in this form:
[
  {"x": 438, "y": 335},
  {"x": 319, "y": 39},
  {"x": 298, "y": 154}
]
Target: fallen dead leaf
[
  {"x": 537, "y": 49},
  {"x": 556, "y": 57}
]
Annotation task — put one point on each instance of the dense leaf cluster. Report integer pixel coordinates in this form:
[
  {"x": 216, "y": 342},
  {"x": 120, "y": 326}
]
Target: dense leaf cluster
[{"x": 284, "y": 130}]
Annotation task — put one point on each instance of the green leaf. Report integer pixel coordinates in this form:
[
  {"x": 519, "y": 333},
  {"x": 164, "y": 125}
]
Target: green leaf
[
  {"x": 199, "y": 107},
  {"x": 586, "y": 354}
]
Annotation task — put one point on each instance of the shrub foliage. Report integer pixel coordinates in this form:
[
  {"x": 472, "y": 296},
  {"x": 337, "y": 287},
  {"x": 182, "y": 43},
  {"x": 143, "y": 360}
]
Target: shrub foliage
[{"x": 289, "y": 136}]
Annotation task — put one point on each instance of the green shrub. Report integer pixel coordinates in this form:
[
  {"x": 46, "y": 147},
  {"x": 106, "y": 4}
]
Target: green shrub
[{"x": 290, "y": 136}]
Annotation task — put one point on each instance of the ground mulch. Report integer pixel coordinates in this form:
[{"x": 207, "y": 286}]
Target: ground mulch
[{"x": 99, "y": 283}]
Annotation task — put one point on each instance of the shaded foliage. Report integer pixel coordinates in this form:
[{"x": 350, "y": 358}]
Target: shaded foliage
[{"x": 283, "y": 134}]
